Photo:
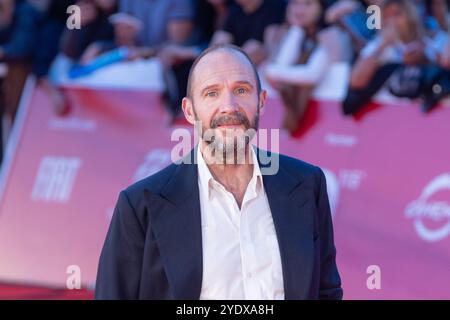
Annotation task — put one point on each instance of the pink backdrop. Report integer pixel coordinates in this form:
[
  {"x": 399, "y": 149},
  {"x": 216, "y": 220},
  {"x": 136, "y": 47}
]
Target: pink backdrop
[{"x": 388, "y": 175}]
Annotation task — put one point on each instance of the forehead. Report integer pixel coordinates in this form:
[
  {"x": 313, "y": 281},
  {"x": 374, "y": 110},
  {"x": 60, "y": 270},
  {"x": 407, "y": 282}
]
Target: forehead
[{"x": 222, "y": 66}]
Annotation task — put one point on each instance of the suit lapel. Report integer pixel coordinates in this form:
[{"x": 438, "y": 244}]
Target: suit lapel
[
  {"x": 290, "y": 206},
  {"x": 176, "y": 221}
]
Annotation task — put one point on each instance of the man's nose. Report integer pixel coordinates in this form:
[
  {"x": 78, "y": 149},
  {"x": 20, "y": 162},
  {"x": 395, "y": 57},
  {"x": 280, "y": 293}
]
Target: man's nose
[{"x": 228, "y": 103}]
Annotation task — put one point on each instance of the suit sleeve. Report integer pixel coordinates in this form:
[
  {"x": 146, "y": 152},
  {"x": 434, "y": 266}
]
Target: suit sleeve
[
  {"x": 330, "y": 281},
  {"x": 119, "y": 268}
]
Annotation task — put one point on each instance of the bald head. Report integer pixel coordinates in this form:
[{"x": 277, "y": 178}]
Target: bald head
[{"x": 217, "y": 55}]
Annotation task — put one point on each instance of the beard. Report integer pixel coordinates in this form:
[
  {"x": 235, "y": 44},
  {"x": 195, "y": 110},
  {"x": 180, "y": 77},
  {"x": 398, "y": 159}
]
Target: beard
[{"x": 229, "y": 145}]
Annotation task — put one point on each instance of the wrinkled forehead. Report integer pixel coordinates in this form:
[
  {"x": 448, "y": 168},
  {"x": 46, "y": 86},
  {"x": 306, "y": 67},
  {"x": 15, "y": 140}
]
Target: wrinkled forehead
[{"x": 221, "y": 67}]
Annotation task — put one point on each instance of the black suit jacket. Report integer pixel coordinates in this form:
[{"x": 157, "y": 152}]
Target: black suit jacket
[{"x": 153, "y": 249}]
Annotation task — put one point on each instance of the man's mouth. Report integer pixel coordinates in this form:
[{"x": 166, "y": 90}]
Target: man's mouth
[
  {"x": 234, "y": 122},
  {"x": 230, "y": 125}
]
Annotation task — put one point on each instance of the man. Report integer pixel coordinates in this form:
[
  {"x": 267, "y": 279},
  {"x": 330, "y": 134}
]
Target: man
[{"x": 218, "y": 228}]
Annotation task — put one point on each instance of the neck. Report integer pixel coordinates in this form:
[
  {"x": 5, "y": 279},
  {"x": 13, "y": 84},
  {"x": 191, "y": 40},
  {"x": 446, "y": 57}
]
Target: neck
[
  {"x": 234, "y": 176},
  {"x": 310, "y": 32},
  {"x": 220, "y": 163}
]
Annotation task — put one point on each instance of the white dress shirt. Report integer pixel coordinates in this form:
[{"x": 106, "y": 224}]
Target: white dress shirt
[{"x": 241, "y": 258}]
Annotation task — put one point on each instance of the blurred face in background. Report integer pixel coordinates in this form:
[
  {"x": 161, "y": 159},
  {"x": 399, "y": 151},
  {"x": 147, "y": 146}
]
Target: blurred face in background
[
  {"x": 105, "y": 5},
  {"x": 6, "y": 12},
  {"x": 396, "y": 16},
  {"x": 216, "y": 2},
  {"x": 304, "y": 13},
  {"x": 402, "y": 16},
  {"x": 125, "y": 34}
]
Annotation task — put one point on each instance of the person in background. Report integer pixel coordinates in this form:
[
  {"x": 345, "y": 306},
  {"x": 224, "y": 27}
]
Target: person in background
[
  {"x": 163, "y": 21},
  {"x": 394, "y": 58},
  {"x": 126, "y": 29},
  {"x": 209, "y": 16},
  {"x": 18, "y": 26},
  {"x": 246, "y": 24},
  {"x": 19, "y": 23},
  {"x": 437, "y": 26},
  {"x": 351, "y": 17},
  {"x": 50, "y": 31},
  {"x": 306, "y": 52},
  {"x": 180, "y": 31},
  {"x": 439, "y": 11},
  {"x": 167, "y": 28},
  {"x": 95, "y": 26}
]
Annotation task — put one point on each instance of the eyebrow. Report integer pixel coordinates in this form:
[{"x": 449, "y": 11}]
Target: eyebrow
[
  {"x": 245, "y": 82},
  {"x": 215, "y": 86}
]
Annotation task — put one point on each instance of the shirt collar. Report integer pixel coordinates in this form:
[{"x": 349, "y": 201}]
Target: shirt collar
[{"x": 206, "y": 179}]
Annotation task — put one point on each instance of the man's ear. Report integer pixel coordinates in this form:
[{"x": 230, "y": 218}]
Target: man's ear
[
  {"x": 188, "y": 110},
  {"x": 262, "y": 101}
]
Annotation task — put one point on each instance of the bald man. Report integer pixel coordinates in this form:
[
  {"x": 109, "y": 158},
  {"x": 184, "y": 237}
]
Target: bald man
[{"x": 228, "y": 221}]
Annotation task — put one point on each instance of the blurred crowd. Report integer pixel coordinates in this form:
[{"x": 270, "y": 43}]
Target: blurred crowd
[{"x": 293, "y": 43}]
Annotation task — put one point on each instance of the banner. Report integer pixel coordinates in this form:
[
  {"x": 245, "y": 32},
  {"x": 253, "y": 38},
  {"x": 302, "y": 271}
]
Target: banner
[{"x": 388, "y": 179}]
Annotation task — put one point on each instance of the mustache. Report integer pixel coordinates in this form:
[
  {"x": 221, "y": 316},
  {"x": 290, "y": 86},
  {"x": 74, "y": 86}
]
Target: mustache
[{"x": 236, "y": 118}]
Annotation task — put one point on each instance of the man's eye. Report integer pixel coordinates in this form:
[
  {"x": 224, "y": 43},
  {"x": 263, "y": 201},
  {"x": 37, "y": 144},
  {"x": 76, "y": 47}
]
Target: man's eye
[
  {"x": 241, "y": 90},
  {"x": 211, "y": 93}
]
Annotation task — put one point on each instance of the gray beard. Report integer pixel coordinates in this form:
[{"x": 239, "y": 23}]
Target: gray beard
[{"x": 232, "y": 151}]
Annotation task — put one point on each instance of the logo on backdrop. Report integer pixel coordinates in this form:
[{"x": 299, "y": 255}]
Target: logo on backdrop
[
  {"x": 431, "y": 216},
  {"x": 55, "y": 179}
]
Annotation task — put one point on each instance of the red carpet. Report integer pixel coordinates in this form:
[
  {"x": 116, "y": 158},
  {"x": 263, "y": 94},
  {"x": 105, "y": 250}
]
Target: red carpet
[{"x": 23, "y": 292}]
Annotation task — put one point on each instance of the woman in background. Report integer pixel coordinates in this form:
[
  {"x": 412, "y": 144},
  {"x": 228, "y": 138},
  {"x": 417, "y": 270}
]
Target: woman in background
[
  {"x": 394, "y": 58},
  {"x": 307, "y": 50}
]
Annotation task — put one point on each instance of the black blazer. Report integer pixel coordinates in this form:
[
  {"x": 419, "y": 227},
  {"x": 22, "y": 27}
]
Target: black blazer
[{"x": 153, "y": 249}]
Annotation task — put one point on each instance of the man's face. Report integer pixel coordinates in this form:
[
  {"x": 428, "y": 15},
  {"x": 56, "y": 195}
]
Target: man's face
[{"x": 225, "y": 100}]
